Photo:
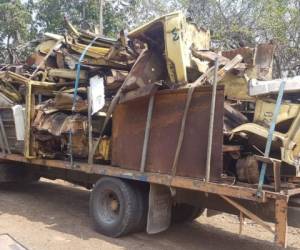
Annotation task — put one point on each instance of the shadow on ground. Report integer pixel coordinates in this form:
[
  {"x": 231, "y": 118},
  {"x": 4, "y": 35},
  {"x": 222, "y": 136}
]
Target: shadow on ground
[{"x": 65, "y": 209}]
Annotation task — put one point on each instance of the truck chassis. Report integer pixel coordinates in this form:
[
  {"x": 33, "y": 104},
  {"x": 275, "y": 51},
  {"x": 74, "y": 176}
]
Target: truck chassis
[{"x": 231, "y": 193}]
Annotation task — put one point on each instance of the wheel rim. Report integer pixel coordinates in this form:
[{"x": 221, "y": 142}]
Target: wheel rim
[{"x": 109, "y": 206}]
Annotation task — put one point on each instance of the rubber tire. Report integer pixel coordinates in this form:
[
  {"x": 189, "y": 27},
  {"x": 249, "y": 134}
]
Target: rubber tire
[
  {"x": 142, "y": 197},
  {"x": 184, "y": 213},
  {"x": 128, "y": 205}
]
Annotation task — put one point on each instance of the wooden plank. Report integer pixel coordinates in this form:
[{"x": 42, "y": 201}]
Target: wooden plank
[
  {"x": 67, "y": 73},
  {"x": 277, "y": 179},
  {"x": 231, "y": 148},
  {"x": 292, "y": 192},
  {"x": 281, "y": 228},
  {"x": 210, "y": 56},
  {"x": 249, "y": 214},
  {"x": 221, "y": 73},
  {"x": 266, "y": 160}
]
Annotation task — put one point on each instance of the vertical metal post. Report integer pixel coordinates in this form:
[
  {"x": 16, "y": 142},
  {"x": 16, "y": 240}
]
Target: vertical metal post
[
  {"x": 29, "y": 110},
  {"x": 90, "y": 128},
  {"x": 147, "y": 131},
  {"x": 211, "y": 120},
  {"x": 270, "y": 136},
  {"x": 182, "y": 129},
  {"x": 281, "y": 227}
]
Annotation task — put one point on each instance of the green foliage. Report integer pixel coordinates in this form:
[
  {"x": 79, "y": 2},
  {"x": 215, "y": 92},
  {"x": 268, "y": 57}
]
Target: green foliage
[
  {"x": 233, "y": 23},
  {"x": 14, "y": 21}
]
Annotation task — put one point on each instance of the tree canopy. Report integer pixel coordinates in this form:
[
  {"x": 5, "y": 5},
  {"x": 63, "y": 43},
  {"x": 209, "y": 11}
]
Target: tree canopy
[{"x": 233, "y": 23}]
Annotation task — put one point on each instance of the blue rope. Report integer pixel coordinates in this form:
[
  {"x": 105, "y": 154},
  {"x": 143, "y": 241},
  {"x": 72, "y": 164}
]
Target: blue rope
[
  {"x": 76, "y": 91},
  {"x": 78, "y": 71},
  {"x": 270, "y": 136}
]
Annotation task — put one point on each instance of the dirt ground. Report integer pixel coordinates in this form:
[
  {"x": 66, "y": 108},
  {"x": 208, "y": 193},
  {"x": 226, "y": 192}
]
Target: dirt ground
[{"x": 54, "y": 216}]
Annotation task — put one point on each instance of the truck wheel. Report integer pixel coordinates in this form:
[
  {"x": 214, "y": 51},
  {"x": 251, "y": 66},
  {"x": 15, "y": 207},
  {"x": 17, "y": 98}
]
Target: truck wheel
[
  {"x": 142, "y": 199},
  {"x": 182, "y": 212},
  {"x": 113, "y": 207}
]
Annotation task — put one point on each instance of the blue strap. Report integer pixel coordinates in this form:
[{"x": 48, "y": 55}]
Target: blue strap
[
  {"x": 270, "y": 136},
  {"x": 78, "y": 71},
  {"x": 76, "y": 91}
]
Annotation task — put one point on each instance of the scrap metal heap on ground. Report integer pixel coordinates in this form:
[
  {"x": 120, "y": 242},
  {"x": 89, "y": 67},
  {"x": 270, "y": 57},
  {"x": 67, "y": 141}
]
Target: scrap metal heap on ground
[{"x": 79, "y": 73}]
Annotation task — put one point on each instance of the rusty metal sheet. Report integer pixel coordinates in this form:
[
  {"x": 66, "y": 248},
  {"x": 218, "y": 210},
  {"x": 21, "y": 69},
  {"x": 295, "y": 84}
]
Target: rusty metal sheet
[
  {"x": 129, "y": 121},
  {"x": 149, "y": 69},
  {"x": 60, "y": 123},
  {"x": 264, "y": 61},
  {"x": 246, "y": 52},
  {"x": 52, "y": 130},
  {"x": 264, "y": 55}
]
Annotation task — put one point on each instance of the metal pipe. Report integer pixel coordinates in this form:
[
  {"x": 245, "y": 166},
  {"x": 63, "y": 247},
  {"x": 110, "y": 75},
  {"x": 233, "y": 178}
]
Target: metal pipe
[
  {"x": 90, "y": 128},
  {"x": 270, "y": 136},
  {"x": 147, "y": 132},
  {"x": 211, "y": 120},
  {"x": 182, "y": 129}
]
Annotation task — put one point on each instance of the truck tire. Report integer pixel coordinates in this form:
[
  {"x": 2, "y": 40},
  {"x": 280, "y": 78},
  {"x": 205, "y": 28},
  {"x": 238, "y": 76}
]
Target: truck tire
[
  {"x": 142, "y": 199},
  {"x": 182, "y": 212},
  {"x": 114, "y": 207}
]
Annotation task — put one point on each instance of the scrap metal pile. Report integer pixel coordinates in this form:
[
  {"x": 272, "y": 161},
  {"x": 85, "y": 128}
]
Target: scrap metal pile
[
  {"x": 72, "y": 82},
  {"x": 59, "y": 106}
]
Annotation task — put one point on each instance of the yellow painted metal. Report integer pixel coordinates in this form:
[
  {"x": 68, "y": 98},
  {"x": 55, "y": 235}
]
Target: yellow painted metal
[
  {"x": 178, "y": 36},
  {"x": 264, "y": 111},
  {"x": 288, "y": 141},
  {"x": 29, "y": 115},
  {"x": 293, "y": 152},
  {"x": 45, "y": 46},
  {"x": 289, "y": 113},
  {"x": 255, "y": 130},
  {"x": 236, "y": 87},
  {"x": 104, "y": 148},
  {"x": 95, "y": 52}
]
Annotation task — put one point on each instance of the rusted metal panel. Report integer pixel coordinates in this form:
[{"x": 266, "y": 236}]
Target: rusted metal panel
[
  {"x": 129, "y": 122},
  {"x": 246, "y": 52}
]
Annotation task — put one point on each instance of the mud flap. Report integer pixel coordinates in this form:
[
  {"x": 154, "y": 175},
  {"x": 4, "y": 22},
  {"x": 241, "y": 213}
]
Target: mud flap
[{"x": 159, "y": 213}]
